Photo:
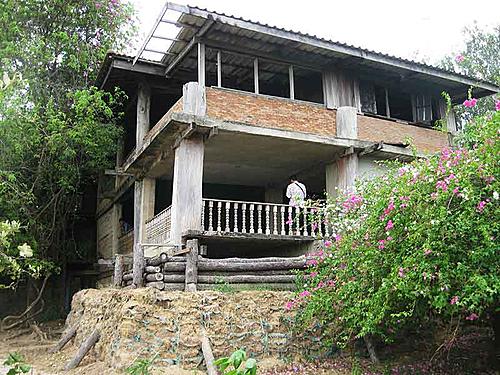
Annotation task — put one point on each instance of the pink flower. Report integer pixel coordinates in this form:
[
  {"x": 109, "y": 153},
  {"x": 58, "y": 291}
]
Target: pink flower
[
  {"x": 455, "y": 191},
  {"x": 389, "y": 238},
  {"x": 442, "y": 185},
  {"x": 313, "y": 274},
  {"x": 328, "y": 243},
  {"x": 454, "y": 300},
  {"x": 98, "y": 5},
  {"x": 497, "y": 105},
  {"x": 311, "y": 262},
  {"x": 305, "y": 293},
  {"x": 469, "y": 103},
  {"x": 427, "y": 251},
  {"x": 389, "y": 225},
  {"x": 434, "y": 195},
  {"x": 381, "y": 244},
  {"x": 401, "y": 272},
  {"x": 338, "y": 237},
  {"x": 330, "y": 283},
  {"x": 459, "y": 58},
  {"x": 481, "y": 205},
  {"x": 289, "y": 305},
  {"x": 472, "y": 316}
]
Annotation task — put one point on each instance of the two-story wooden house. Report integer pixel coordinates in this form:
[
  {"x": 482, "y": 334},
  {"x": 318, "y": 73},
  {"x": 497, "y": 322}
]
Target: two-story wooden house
[{"x": 221, "y": 112}]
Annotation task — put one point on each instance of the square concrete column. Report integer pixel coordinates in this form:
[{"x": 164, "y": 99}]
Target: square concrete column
[
  {"x": 341, "y": 174},
  {"x": 187, "y": 187}
]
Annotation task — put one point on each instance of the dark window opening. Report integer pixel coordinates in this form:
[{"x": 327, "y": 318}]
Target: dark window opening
[
  {"x": 380, "y": 100},
  {"x": 237, "y": 71},
  {"x": 274, "y": 79},
  {"x": 400, "y": 105},
  {"x": 163, "y": 194},
  {"x": 211, "y": 67},
  {"x": 423, "y": 109},
  {"x": 308, "y": 85},
  {"x": 162, "y": 102},
  {"x": 129, "y": 125},
  {"x": 367, "y": 97}
]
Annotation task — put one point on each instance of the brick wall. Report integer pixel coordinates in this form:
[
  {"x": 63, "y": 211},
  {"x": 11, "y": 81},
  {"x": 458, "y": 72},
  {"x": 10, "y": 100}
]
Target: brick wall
[
  {"x": 259, "y": 110},
  {"x": 377, "y": 130}
]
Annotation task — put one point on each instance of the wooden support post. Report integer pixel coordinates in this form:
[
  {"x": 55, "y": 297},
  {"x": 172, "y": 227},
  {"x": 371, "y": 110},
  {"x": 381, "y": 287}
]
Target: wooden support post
[
  {"x": 201, "y": 64},
  {"x": 143, "y": 110},
  {"x": 256, "y": 75},
  {"x": 68, "y": 335},
  {"x": 83, "y": 350},
  {"x": 192, "y": 266},
  {"x": 116, "y": 214},
  {"x": 292, "y": 83},
  {"x": 219, "y": 69},
  {"x": 139, "y": 262},
  {"x": 387, "y": 108},
  {"x": 119, "y": 266},
  {"x": 341, "y": 174},
  {"x": 187, "y": 188}
]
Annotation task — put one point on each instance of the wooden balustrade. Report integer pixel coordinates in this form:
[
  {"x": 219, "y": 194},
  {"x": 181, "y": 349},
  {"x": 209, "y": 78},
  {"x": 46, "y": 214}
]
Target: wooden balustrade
[
  {"x": 158, "y": 228},
  {"x": 225, "y": 216}
]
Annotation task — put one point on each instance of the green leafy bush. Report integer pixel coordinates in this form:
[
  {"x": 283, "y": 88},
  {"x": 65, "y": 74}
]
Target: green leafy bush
[
  {"x": 17, "y": 364},
  {"x": 237, "y": 364},
  {"x": 418, "y": 243}
]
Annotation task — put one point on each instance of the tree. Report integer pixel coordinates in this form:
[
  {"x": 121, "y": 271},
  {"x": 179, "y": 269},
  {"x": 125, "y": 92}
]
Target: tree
[
  {"x": 479, "y": 59},
  {"x": 414, "y": 247},
  {"x": 56, "y": 130}
]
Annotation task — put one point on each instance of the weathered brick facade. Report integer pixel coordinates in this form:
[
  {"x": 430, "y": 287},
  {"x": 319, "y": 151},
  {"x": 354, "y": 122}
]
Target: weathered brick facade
[
  {"x": 278, "y": 113},
  {"x": 377, "y": 130}
]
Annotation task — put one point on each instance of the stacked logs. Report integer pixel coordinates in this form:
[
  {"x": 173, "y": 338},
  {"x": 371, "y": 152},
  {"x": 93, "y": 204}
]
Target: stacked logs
[{"x": 169, "y": 273}]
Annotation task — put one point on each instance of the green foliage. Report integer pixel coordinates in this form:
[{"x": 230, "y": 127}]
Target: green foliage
[
  {"x": 237, "y": 364},
  {"x": 479, "y": 59},
  {"x": 56, "y": 130},
  {"x": 141, "y": 366},
  {"x": 17, "y": 364},
  {"x": 418, "y": 243},
  {"x": 222, "y": 286}
]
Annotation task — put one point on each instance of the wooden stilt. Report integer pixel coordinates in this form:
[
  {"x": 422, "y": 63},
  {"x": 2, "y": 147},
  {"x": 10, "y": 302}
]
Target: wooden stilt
[
  {"x": 208, "y": 354},
  {"x": 70, "y": 333},
  {"x": 192, "y": 265},
  {"x": 83, "y": 350}
]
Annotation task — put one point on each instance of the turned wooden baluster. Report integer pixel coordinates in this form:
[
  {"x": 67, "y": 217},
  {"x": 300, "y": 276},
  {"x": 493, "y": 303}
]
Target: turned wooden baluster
[
  {"x": 259, "y": 218},
  {"x": 306, "y": 219},
  {"x": 252, "y": 207},
  {"x": 228, "y": 208},
  {"x": 203, "y": 204},
  {"x": 268, "y": 227},
  {"x": 210, "y": 216},
  {"x": 275, "y": 219},
  {"x": 219, "y": 212},
  {"x": 317, "y": 220},
  {"x": 327, "y": 223},
  {"x": 289, "y": 220},
  {"x": 297, "y": 220},
  {"x": 235, "y": 217},
  {"x": 283, "y": 220},
  {"x": 243, "y": 218}
]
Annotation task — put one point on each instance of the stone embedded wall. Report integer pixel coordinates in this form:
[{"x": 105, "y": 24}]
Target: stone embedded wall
[
  {"x": 286, "y": 114},
  {"x": 138, "y": 323},
  {"x": 264, "y": 111}
]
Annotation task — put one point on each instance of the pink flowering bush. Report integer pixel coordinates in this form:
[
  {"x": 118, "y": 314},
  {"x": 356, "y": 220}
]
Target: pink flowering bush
[{"x": 421, "y": 242}]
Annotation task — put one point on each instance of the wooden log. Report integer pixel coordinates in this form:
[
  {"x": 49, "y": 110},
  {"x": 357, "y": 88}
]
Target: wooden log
[
  {"x": 68, "y": 335},
  {"x": 179, "y": 278},
  {"x": 248, "y": 286},
  {"x": 174, "y": 267},
  {"x": 301, "y": 258},
  {"x": 160, "y": 285},
  {"x": 260, "y": 273},
  {"x": 192, "y": 265},
  {"x": 119, "y": 267},
  {"x": 83, "y": 350},
  {"x": 208, "y": 355},
  {"x": 128, "y": 282},
  {"x": 174, "y": 286},
  {"x": 222, "y": 265},
  {"x": 153, "y": 277},
  {"x": 164, "y": 258},
  {"x": 152, "y": 269},
  {"x": 127, "y": 277},
  {"x": 244, "y": 279}
]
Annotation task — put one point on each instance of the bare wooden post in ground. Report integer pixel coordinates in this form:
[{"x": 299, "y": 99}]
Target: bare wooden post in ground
[
  {"x": 83, "y": 350},
  {"x": 119, "y": 265},
  {"x": 192, "y": 265},
  {"x": 207, "y": 354},
  {"x": 64, "y": 340}
]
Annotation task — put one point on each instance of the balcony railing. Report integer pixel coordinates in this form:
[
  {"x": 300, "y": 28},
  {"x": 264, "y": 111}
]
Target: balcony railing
[
  {"x": 158, "y": 228},
  {"x": 226, "y": 216}
]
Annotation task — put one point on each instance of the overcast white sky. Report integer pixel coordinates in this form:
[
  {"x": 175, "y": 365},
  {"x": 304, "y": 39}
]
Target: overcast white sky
[{"x": 421, "y": 29}]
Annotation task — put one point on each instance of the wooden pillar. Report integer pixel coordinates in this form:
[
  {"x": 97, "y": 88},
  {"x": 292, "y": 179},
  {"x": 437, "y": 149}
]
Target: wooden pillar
[
  {"x": 143, "y": 109},
  {"x": 341, "y": 174},
  {"x": 193, "y": 99},
  {"x": 191, "y": 278},
  {"x": 116, "y": 229},
  {"x": 219, "y": 69},
  {"x": 187, "y": 187},
  {"x": 256, "y": 75},
  {"x": 291, "y": 80},
  {"x": 201, "y": 64},
  {"x": 139, "y": 262},
  {"x": 118, "y": 273}
]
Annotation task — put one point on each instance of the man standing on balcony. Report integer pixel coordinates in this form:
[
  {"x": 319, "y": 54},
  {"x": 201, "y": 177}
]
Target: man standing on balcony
[{"x": 296, "y": 192}]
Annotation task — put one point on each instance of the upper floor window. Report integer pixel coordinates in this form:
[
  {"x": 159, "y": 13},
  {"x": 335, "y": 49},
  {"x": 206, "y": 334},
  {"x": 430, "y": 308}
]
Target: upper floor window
[{"x": 423, "y": 108}]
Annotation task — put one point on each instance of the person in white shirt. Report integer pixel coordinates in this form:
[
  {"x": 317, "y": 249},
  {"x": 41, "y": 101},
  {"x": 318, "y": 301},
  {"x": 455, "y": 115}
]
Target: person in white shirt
[{"x": 296, "y": 192}]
